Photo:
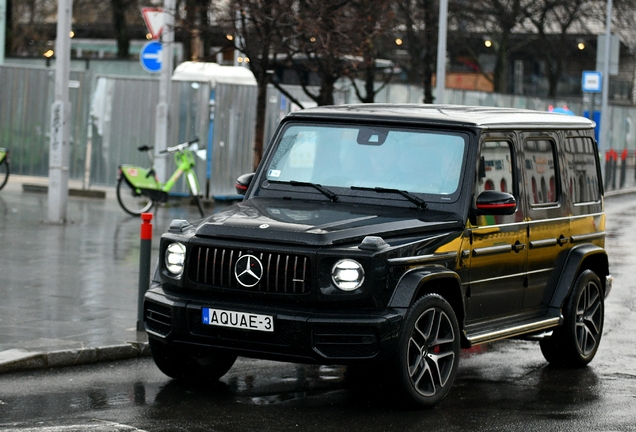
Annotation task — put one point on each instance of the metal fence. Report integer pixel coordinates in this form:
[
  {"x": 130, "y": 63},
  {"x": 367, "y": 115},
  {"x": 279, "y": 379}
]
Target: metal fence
[
  {"x": 124, "y": 118},
  {"x": 26, "y": 95}
]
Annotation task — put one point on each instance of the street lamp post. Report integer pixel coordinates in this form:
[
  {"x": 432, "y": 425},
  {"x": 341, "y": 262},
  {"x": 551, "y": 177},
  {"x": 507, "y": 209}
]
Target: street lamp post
[{"x": 440, "y": 75}]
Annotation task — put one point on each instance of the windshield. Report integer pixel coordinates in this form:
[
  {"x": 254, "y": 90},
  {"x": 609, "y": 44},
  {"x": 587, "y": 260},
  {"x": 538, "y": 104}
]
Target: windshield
[{"x": 417, "y": 161}]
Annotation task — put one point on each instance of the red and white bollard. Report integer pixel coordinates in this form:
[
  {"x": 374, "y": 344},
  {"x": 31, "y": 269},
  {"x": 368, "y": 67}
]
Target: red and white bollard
[{"x": 145, "y": 251}]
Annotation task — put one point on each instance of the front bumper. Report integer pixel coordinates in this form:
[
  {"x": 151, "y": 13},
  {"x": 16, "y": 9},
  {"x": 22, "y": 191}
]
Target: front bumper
[{"x": 328, "y": 337}]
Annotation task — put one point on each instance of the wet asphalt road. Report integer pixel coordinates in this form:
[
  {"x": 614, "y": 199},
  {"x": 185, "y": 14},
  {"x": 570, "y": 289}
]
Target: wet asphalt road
[{"x": 507, "y": 386}]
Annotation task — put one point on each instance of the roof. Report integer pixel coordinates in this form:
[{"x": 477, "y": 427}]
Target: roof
[
  {"x": 457, "y": 115},
  {"x": 213, "y": 73}
]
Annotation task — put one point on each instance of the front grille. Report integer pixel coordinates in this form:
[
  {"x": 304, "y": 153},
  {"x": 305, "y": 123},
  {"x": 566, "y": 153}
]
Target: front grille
[
  {"x": 158, "y": 318},
  {"x": 282, "y": 273}
]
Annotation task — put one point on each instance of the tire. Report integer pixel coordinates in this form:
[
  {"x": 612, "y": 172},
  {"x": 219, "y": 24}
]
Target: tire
[
  {"x": 193, "y": 367},
  {"x": 133, "y": 202},
  {"x": 428, "y": 355},
  {"x": 575, "y": 342},
  {"x": 4, "y": 172}
]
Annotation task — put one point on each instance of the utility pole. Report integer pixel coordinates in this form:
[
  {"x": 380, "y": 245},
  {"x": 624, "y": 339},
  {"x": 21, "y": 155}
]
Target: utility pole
[
  {"x": 165, "y": 90},
  {"x": 440, "y": 75},
  {"x": 604, "y": 144},
  {"x": 3, "y": 28},
  {"x": 59, "y": 151}
]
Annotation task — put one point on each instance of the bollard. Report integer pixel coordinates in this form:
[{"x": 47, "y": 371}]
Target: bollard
[
  {"x": 145, "y": 250},
  {"x": 623, "y": 168},
  {"x": 608, "y": 169}
]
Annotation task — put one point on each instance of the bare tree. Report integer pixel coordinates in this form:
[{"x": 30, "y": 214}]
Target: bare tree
[
  {"x": 318, "y": 44},
  {"x": 120, "y": 9},
  {"x": 257, "y": 26},
  {"x": 420, "y": 21},
  {"x": 376, "y": 21},
  {"x": 194, "y": 26},
  {"x": 498, "y": 19},
  {"x": 553, "y": 20}
]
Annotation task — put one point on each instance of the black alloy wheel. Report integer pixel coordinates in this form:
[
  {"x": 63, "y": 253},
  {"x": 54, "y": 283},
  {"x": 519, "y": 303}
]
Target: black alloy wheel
[{"x": 575, "y": 342}]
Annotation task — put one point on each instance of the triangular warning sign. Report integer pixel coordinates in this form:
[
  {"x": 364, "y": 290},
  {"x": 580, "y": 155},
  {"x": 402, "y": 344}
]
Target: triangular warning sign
[{"x": 154, "y": 20}]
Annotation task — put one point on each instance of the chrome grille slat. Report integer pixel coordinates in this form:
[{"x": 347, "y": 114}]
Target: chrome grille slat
[
  {"x": 214, "y": 266},
  {"x": 229, "y": 270},
  {"x": 282, "y": 273},
  {"x": 276, "y": 277}
]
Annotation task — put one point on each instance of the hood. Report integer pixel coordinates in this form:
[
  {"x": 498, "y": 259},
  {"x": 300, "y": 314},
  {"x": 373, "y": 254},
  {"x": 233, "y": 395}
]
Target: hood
[{"x": 318, "y": 223}]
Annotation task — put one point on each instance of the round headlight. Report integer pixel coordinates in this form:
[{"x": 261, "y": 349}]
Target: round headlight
[
  {"x": 175, "y": 258},
  {"x": 347, "y": 275}
]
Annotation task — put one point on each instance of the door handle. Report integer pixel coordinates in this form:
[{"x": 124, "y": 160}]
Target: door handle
[{"x": 518, "y": 247}]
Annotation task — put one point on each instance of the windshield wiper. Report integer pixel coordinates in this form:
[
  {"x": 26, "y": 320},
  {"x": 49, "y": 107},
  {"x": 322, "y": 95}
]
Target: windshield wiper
[
  {"x": 421, "y": 204},
  {"x": 326, "y": 192}
]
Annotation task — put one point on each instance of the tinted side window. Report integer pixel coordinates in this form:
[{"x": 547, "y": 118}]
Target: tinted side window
[
  {"x": 496, "y": 169},
  {"x": 583, "y": 184},
  {"x": 541, "y": 181}
]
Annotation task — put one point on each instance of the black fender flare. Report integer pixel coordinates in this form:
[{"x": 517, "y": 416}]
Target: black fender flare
[
  {"x": 585, "y": 256},
  {"x": 410, "y": 286}
]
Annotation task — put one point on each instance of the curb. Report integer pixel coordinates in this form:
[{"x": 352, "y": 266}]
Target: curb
[
  {"x": 17, "y": 360},
  {"x": 92, "y": 193},
  {"x": 618, "y": 192}
]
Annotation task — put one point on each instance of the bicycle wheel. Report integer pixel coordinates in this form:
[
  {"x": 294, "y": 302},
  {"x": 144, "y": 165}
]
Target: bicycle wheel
[
  {"x": 131, "y": 200},
  {"x": 4, "y": 172}
]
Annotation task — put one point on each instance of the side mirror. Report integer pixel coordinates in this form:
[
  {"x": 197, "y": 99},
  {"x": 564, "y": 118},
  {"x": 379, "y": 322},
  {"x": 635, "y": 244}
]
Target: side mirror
[
  {"x": 495, "y": 203},
  {"x": 243, "y": 182}
]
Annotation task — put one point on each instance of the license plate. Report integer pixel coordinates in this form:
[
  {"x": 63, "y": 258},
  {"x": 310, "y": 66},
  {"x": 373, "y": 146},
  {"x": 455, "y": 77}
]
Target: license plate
[{"x": 240, "y": 320}]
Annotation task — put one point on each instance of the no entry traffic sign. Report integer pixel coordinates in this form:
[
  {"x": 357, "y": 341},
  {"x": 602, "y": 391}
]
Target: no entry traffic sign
[{"x": 150, "y": 57}]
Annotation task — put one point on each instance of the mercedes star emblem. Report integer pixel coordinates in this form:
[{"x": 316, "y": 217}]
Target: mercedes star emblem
[{"x": 248, "y": 270}]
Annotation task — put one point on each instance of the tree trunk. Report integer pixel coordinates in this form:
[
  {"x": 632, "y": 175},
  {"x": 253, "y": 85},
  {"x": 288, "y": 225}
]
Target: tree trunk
[
  {"x": 259, "y": 130},
  {"x": 501, "y": 68},
  {"x": 8, "y": 41},
  {"x": 119, "y": 22}
]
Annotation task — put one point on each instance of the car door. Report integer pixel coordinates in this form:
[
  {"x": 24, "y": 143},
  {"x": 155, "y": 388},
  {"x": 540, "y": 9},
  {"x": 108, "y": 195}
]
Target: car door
[
  {"x": 548, "y": 221},
  {"x": 498, "y": 243}
]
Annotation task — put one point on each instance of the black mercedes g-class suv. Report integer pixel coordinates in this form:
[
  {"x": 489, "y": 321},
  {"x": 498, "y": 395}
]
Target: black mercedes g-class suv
[{"x": 393, "y": 235}]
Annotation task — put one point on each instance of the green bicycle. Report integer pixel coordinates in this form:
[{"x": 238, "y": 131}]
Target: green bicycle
[
  {"x": 138, "y": 188},
  {"x": 4, "y": 166}
]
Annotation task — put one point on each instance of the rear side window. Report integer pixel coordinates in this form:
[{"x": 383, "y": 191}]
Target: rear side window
[
  {"x": 495, "y": 168},
  {"x": 541, "y": 181},
  {"x": 581, "y": 157}
]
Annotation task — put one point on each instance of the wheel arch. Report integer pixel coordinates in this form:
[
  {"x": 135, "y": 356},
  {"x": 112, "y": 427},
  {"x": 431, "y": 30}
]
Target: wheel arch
[
  {"x": 430, "y": 280},
  {"x": 580, "y": 258}
]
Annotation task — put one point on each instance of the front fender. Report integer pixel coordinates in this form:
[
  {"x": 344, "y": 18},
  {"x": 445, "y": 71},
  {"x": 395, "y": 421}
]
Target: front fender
[{"x": 430, "y": 279}]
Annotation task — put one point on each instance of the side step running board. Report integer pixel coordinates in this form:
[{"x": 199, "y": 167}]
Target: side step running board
[{"x": 509, "y": 332}]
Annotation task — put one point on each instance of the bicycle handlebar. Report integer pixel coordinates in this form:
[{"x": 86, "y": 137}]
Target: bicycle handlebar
[{"x": 180, "y": 147}]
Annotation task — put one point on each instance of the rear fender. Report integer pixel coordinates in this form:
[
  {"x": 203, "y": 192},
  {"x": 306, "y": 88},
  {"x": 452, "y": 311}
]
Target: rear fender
[
  {"x": 581, "y": 257},
  {"x": 427, "y": 280}
]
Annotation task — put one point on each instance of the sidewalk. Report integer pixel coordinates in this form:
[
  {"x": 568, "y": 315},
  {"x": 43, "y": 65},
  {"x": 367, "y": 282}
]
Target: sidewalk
[{"x": 68, "y": 293}]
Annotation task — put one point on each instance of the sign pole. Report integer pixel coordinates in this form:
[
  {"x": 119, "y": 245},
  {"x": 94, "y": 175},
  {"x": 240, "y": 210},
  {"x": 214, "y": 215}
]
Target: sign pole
[
  {"x": 165, "y": 89},
  {"x": 59, "y": 152}
]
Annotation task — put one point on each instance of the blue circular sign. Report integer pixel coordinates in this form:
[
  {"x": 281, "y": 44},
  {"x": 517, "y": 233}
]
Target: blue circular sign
[{"x": 150, "y": 57}]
